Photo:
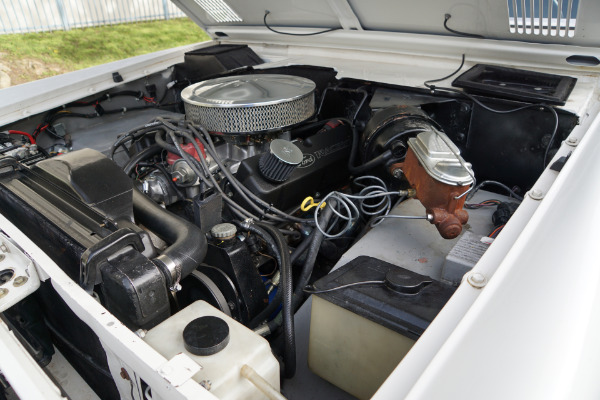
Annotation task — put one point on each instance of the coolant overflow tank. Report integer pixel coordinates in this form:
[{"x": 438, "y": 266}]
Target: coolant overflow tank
[
  {"x": 221, "y": 346},
  {"x": 438, "y": 173}
]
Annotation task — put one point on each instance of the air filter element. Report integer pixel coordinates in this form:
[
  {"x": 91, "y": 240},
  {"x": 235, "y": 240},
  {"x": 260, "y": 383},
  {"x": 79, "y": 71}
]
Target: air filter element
[
  {"x": 280, "y": 161},
  {"x": 249, "y": 104}
]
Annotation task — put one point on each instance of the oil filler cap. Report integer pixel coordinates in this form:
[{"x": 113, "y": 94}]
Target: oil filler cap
[
  {"x": 277, "y": 164},
  {"x": 206, "y": 336}
]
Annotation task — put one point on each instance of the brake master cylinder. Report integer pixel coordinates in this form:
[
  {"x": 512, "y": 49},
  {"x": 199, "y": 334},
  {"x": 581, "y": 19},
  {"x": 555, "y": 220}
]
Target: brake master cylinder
[{"x": 441, "y": 177}]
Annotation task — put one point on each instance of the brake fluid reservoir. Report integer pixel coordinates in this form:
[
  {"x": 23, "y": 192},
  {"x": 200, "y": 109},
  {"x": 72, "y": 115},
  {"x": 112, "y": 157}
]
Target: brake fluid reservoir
[{"x": 221, "y": 346}]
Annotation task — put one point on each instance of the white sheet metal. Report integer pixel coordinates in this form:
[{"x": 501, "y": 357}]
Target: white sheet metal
[{"x": 532, "y": 332}]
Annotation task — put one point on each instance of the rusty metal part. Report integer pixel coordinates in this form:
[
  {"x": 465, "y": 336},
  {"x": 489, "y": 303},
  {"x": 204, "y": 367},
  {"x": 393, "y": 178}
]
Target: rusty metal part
[{"x": 439, "y": 199}]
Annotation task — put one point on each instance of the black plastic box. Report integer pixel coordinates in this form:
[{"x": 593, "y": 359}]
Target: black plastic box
[
  {"x": 517, "y": 84},
  {"x": 209, "y": 61}
]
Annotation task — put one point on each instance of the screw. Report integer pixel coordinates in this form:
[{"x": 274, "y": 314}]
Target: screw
[
  {"x": 2, "y": 257},
  {"x": 477, "y": 280},
  {"x": 3, "y": 292},
  {"x": 397, "y": 173},
  {"x": 536, "y": 194},
  {"x": 19, "y": 281}
]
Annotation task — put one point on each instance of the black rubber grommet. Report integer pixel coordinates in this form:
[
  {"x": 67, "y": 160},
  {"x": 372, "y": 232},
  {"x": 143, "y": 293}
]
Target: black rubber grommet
[{"x": 206, "y": 336}]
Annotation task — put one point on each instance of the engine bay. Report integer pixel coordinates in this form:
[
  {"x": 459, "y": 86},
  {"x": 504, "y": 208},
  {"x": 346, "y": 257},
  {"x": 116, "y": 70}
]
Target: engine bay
[{"x": 203, "y": 206}]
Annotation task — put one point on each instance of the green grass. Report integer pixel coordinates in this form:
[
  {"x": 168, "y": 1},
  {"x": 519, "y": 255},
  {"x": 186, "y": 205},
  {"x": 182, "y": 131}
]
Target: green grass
[{"x": 82, "y": 48}]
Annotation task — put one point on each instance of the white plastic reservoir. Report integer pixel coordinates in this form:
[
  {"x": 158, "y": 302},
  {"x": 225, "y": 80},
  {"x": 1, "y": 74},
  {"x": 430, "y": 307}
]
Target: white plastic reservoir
[{"x": 220, "y": 371}]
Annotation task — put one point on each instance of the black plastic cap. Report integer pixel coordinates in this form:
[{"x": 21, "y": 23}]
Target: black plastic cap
[
  {"x": 206, "y": 336},
  {"x": 117, "y": 77}
]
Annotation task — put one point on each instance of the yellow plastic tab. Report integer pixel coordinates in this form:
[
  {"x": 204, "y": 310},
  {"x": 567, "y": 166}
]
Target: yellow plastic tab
[{"x": 309, "y": 203}]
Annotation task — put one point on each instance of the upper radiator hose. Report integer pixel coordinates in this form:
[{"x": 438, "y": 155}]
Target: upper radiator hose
[{"x": 187, "y": 243}]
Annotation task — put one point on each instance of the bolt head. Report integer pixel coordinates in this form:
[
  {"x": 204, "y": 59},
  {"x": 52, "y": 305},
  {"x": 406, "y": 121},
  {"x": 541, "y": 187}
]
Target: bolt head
[
  {"x": 536, "y": 194},
  {"x": 477, "y": 280},
  {"x": 3, "y": 292},
  {"x": 572, "y": 141}
]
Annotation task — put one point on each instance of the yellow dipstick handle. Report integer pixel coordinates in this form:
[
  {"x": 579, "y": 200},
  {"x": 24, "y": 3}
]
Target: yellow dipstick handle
[{"x": 309, "y": 203}]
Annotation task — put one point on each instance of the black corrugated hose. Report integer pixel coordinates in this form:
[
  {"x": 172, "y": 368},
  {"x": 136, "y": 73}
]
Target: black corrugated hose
[
  {"x": 289, "y": 352},
  {"x": 274, "y": 250}
]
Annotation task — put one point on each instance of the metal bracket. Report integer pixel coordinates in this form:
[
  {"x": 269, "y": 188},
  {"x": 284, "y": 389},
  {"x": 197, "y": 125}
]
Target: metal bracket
[
  {"x": 179, "y": 369},
  {"x": 18, "y": 274},
  {"x": 345, "y": 14}
]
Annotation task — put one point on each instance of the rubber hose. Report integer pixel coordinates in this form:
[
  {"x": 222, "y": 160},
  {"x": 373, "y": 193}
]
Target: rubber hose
[
  {"x": 298, "y": 251},
  {"x": 141, "y": 156},
  {"x": 356, "y": 170},
  {"x": 289, "y": 351},
  {"x": 188, "y": 245},
  {"x": 313, "y": 251},
  {"x": 380, "y": 159},
  {"x": 276, "y": 253},
  {"x": 163, "y": 143},
  {"x": 266, "y": 313}
]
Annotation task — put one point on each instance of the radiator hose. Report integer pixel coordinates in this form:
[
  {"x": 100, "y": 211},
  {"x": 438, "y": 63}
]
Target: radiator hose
[{"x": 187, "y": 245}]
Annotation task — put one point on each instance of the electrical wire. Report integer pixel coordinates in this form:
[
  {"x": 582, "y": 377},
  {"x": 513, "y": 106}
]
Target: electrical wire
[
  {"x": 496, "y": 111},
  {"x": 427, "y": 83},
  {"x": 346, "y": 208},
  {"x": 465, "y": 34},
  {"x": 309, "y": 289},
  {"x": 266, "y": 210},
  {"x": 495, "y": 183},
  {"x": 267, "y": 12},
  {"x": 29, "y": 136},
  {"x": 486, "y": 203},
  {"x": 496, "y": 231}
]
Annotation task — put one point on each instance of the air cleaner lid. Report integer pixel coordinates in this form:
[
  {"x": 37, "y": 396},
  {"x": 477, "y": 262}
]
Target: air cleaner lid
[{"x": 247, "y": 90}]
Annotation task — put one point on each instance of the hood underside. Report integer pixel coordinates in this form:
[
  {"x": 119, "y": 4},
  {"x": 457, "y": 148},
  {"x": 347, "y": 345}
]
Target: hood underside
[{"x": 571, "y": 22}]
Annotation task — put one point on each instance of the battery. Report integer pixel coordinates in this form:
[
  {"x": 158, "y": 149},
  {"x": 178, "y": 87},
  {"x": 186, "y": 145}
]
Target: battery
[{"x": 359, "y": 331}]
